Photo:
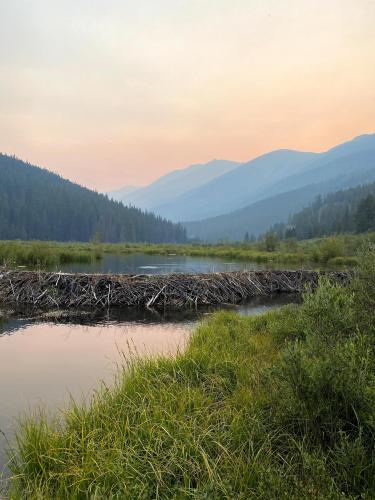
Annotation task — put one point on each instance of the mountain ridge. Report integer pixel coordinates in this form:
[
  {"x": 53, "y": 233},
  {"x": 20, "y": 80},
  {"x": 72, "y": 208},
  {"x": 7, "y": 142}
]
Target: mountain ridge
[
  {"x": 236, "y": 189},
  {"x": 244, "y": 183},
  {"x": 230, "y": 190},
  {"x": 256, "y": 218},
  {"x": 176, "y": 183}
]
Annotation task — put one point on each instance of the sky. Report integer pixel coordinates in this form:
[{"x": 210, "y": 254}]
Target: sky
[{"x": 111, "y": 93}]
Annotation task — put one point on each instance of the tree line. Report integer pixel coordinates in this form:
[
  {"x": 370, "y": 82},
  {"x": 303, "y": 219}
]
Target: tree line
[
  {"x": 345, "y": 211},
  {"x": 38, "y": 204}
]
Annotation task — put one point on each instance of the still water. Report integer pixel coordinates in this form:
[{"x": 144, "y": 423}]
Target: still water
[
  {"x": 42, "y": 362},
  {"x": 139, "y": 263}
]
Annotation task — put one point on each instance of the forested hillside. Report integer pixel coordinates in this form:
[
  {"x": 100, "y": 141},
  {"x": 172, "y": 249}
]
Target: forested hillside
[
  {"x": 349, "y": 210},
  {"x": 38, "y": 204}
]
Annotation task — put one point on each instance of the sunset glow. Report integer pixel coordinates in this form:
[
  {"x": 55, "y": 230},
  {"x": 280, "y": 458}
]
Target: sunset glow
[{"x": 120, "y": 92}]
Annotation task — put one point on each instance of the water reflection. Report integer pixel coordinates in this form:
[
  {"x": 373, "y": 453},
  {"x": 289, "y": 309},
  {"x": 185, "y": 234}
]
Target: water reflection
[
  {"x": 44, "y": 359},
  {"x": 138, "y": 263},
  {"x": 42, "y": 363}
]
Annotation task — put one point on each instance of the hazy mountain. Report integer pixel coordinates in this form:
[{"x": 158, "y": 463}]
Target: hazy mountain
[
  {"x": 37, "y": 204},
  {"x": 174, "y": 184},
  {"x": 352, "y": 170},
  {"x": 247, "y": 183},
  {"x": 270, "y": 174},
  {"x": 340, "y": 160},
  {"x": 122, "y": 193}
]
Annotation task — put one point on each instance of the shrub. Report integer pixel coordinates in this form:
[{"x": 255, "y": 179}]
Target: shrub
[
  {"x": 269, "y": 243},
  {"x": 364, "y": 289},
  {"x": 328, "y": 249},
  {"x": 323, "y": 388}
]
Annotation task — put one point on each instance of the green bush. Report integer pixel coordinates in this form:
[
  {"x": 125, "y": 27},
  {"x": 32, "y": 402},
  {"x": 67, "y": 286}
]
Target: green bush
[
  {"x": 269, "y": 243},
  {"x": 364, "y": 289},
  {"x": 323, "y": 389},
  {"x": 328, "y": 312},
  {"x": 328, "y": 248},
  {"x": 343, "y": 262}
]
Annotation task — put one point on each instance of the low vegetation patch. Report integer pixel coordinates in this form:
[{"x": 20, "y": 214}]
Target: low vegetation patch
[
  {"x": 41, "y": 254},
  {"x": 319, "y": 251},
  {"x": 333, "y": 251},
  {"x": 276, "y": 406}
]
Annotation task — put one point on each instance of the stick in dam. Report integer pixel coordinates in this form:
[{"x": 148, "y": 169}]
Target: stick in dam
[{"x": 63, "y": 290}]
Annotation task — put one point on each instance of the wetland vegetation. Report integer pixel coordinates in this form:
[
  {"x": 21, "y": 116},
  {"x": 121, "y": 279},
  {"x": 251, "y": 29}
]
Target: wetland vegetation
[
  {"x": 276, "y": 406},
  {"x": 338, "y": 250}
]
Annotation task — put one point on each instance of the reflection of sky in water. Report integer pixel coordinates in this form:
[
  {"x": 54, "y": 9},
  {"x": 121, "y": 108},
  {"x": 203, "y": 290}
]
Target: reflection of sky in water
[
  {"x": 44, "y": 362},
  {"x": 160, "y": 264}
]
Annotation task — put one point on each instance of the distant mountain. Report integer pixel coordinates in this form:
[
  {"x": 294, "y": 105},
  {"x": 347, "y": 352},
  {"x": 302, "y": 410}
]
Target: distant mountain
[
  {"x": 270, "y": 174},
  {"x": 37, "y": 204},
  {"x": 337, "y": 173},
  {"x": 174, "y": 184},
  {"x": 340, "y": 160},
  {"x": 247, "y": 183},
  {"x": 122, "y": 193}
]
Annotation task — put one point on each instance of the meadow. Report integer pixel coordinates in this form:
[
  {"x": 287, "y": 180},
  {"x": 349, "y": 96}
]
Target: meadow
[
  {"x": 277, "y": 406},
  {"x": 338, "y": 251}
]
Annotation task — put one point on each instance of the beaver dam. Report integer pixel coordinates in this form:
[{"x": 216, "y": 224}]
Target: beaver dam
[{"x": 64, "y": 290}]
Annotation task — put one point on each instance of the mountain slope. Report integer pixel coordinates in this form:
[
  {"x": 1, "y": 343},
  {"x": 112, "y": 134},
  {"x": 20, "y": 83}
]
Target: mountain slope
[
  {"x": 175, "y": 183},
  {"x": 37, "y": 204},
  {"x": 122, "y": 193},
  {"x": 270, "y": 174},
  {"x": 237, "y": 188},
  {"x": 355, "y": 169},
  {"x": 340, "y": 160}
]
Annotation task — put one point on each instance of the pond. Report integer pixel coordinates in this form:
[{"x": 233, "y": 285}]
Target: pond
[
  {"x": 43, "y": 361},
  {"x": 138, "y": 263}
]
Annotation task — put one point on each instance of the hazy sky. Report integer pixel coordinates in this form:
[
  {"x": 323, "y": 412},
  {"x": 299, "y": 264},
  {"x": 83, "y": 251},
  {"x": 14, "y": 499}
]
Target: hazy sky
[{"x": 116, "y": 92}]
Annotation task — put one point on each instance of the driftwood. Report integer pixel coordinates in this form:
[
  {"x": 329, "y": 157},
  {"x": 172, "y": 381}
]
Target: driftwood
[{"x": 62, "y": 290}]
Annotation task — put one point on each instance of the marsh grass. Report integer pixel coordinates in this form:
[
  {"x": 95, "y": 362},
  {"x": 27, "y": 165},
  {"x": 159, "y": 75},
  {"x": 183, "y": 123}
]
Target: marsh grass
[
  {"x": 277, "y": 406},
  {"x": 339, "y": 250},
  {"x": 335, "y": 251},
  {"x": 44, "y": 255}
]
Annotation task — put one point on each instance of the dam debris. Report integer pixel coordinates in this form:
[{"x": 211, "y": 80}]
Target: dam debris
[{"x": 67, "y": 290}]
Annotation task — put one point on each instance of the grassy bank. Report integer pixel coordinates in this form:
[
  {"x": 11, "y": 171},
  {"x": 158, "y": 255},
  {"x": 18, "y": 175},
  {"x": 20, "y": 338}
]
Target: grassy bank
[
  {"x": 40, "y": 254},
  {"x": 278, "y": 406},
  {"x": 339, "y": 251}
]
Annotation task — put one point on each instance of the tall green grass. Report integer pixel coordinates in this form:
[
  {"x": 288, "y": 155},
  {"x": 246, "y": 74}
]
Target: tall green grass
[
  {"x": 278, "y": 406},
  {"x": 38, "y": 254}
]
